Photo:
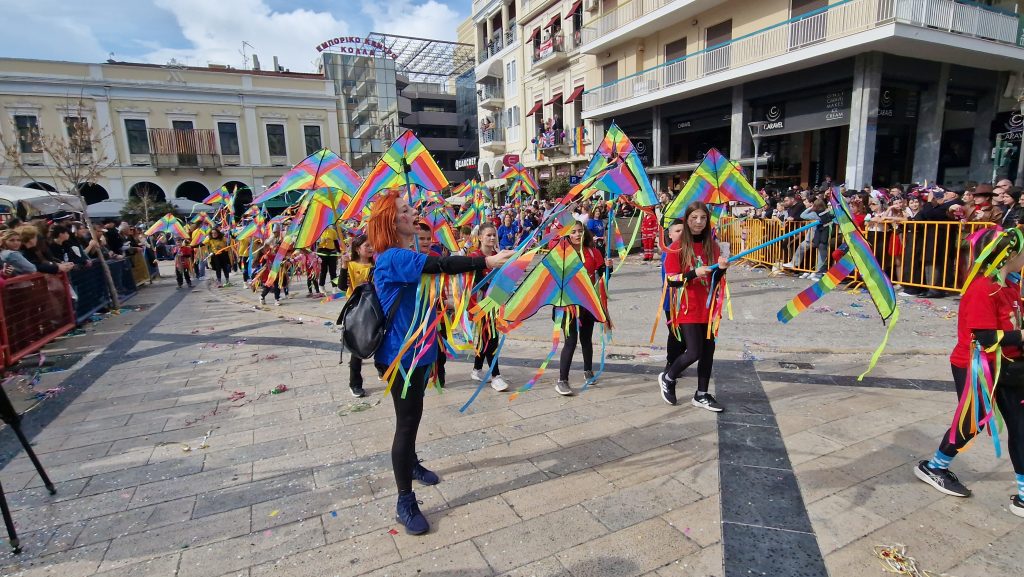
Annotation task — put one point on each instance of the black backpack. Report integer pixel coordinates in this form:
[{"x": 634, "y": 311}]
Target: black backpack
[{"x": 362, "y": 320}]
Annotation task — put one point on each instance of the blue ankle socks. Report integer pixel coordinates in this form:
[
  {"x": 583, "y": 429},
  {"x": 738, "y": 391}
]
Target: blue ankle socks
[{"x": 940, "y": 461}]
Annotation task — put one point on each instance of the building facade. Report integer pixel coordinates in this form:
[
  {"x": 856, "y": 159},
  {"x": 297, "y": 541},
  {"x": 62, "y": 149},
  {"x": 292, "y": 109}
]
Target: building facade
[
  {"x": 175, "y": 132},
  {"x": 876, "y": 92}
]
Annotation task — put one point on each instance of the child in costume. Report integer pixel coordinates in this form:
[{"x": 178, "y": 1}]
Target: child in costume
[
  {"x": 356, "y": 269},
  {"x": 183, "y": 257},
  {"x": 220, "y": 259},
  {"x": 688, "y": 272},
  {"x": 397, "y": 276},
  {"x": 487, "y": 334},
  {"x": 675, "y": 345},
  {"x": 989, "y": 342},
  {"x": 578, "y": 325},
  {"x": 649, "y": 230}
]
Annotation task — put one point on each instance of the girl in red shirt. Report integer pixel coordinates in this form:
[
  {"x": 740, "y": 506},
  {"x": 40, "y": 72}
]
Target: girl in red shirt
[
  {"x": 990, "y": 315},
  {"x": 580, "y": 328},
  {"x": 687, "y": 269}
]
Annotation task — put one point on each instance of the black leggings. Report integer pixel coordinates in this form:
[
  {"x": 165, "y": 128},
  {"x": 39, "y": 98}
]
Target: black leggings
[
  {"x": 700, "y": 350},
  {"x": 490, "y": 346},
  {"x": 408, "y": 412},
  {"x": 271, "y": 289},
  {"x": 355, "y": 371},
  {"x": 582, "y": 330},
  {"x": 673, "y": 348},
  {"x": 221, "y": 263},
  {"x": 328, "y": 265},
  {"x": 1009, "y": 399}
]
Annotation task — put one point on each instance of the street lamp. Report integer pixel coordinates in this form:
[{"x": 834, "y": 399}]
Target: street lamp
[{"x": 755, "y": 129}]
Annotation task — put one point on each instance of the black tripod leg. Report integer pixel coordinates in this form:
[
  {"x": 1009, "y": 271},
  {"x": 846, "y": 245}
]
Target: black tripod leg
[
  {"x": 11, "y": 533},
  {"x": 35, "y": 460}
]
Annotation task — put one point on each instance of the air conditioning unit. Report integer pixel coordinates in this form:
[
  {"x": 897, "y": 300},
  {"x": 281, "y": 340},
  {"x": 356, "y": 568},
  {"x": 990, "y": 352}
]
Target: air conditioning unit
[{"x": 591, "y": 5}]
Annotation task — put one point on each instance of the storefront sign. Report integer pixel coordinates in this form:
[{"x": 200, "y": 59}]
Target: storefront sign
[
  {"x": 699, "y": 122},
  {"x": 356, "y": 46},
  {"x": 644, "y": 149},
  {"x": 465, "y": 163},
  {"x": 544, "y": 173},
  {"x": 836, "y": 106},
  {"x": 805, "y": 113},
  {"x": 510, "y": 160},
  {"x": 774, "y": 115},
  {"x": 1010, "y": 124},
  {"x": 562, "y": 170},
  {"x": 897, "y": 104}
]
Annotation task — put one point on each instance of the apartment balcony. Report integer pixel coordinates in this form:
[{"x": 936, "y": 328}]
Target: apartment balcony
[
  {"x": 492, "y": 139},
  {"x": 365, "y": 131},
  {"x": 639, "y": 19},
  {"x": 365, "y": 106},
  {"x": 175, "y": 149},
  {"x": 489, "y": 59},
  {"x": 554, "y": 142},
  {"x": 491, "y": 97},
  {"x": 551, "y": 53},
  {"x": 940, "y": 30}
]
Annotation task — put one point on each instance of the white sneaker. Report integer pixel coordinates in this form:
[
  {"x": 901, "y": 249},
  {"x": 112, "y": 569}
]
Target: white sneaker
[
  {"x": 477, "y": 375},
  {"x": 788, "y": 265},
  {"x": 499, "y": 384},
  {"x": 805, "y": 275},
  {"x": 263, "y": 300},
  {"x": 277, "y": 303},
  {"x": 814, "y": 277}
]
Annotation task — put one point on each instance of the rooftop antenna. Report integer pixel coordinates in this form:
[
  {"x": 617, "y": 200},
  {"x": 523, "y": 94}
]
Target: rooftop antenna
[{"x": 245, "y": 54}]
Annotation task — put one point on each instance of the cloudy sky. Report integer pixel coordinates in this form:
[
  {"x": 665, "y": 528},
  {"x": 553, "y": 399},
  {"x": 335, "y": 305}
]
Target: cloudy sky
[{"x": 196, "y": 32}]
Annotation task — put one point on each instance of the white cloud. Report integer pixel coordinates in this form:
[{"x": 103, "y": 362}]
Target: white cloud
[
  {"x": 47, "y": 35},
  {"x": 216, "y": 30},
  {"x": 430, "y": 19}
]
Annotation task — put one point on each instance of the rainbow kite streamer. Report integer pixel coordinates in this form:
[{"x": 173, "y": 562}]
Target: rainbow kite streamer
[
  {"x": 560, "y": 280},
  {"x": 835, "y": 275},
  {"x": 406, "y": 161},
  {"x": 322, "y": 169},
  {"x": 717, "y": 180}
]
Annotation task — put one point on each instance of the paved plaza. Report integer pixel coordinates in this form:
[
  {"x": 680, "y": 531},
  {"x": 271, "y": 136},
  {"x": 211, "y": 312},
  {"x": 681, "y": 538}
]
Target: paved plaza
[{"x": 172, "y": 456}]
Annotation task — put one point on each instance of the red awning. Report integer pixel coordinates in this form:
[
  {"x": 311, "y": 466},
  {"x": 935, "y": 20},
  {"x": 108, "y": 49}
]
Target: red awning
[
  {"x": 537, "y": 106},
  {"x": 554, "y": 19},
  {"x": 575, "y": 7},
  {"x": 574, "y": 95},
  {"x": 554, "y": 99},
  {"x": 536, "y": 32}
]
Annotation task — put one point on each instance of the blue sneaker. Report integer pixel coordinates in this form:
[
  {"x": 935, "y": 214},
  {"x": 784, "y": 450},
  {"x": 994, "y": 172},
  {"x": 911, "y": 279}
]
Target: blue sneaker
[
  {"x": 410, "y": 516},
  {"x": 424, "y": 475}
]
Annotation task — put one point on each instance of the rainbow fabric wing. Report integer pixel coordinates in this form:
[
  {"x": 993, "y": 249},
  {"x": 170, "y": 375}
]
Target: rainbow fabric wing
[
  {"x": 879, "y": 287},
  {"x": 440, "y": 227},
  {"x": 219, "y": 196},
  {"x": 835, "y": 275},
  {"x": 319, "y": 213},
  {"x": 504, "y": 283},
  {"x": 565, "y": 222},
  {"x": 168, "y": 223},
  {"x": 560, "y": 280},
  {"x": 617, "y": 146},
  {"x": 321, "y": 169},
  {"x": 199, "y": 236},
  {"x": 406, "y": 161},
  {"x": 717, "y": 180}
]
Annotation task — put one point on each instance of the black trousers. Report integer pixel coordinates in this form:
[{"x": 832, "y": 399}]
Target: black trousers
[
  {"x": 355, "y": 371},
  {"x": 580, "y": 329},
  {"x": 408, "y": 412},
  {"x": 490, "y": 346},
  {"x": 271, "y": 289},
  {"x": 179, "y": 271},
  {"x": 673, "y": 348},
  {"x": 1008, "y": 398},
  {"x": 221, "y": 263},
  {"x": 700, "y": 350},
  {"x": 328, "y": 265}
]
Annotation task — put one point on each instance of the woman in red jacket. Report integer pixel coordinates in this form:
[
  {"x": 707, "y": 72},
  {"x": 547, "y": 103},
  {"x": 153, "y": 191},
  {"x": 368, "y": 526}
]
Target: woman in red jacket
[
  {"x": 579, "y": 323},
  {"x": 687, "y": 270}
]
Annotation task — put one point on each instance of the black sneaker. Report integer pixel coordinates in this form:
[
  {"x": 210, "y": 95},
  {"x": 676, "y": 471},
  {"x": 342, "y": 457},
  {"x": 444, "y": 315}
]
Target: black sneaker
[
  {"x": 358, "y": 392},
  {"x": 943, "y": 480},
  {"x": 706, "y": 401},
  {"x": 668, "y": 388},
  {"x": 1017, "y": 506}
]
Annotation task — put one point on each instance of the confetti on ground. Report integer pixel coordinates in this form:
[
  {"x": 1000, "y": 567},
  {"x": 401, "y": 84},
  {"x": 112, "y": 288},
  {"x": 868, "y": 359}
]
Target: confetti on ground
[
  {"x": 357, "y": 408},
  {"x": 279, "y": 389},
  {"x": 392, "y": 532},
  {"x": 273, "y": 513},
  {"x": 894, "y": 559},
  {"x": 335, "y": 513},
  {"x": 236, "y": 396},
  {"x": 202, "y": 444},
  {"x": 49, "y": 393}
]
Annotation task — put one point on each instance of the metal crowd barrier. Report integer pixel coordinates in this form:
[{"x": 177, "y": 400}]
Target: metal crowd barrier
[
  {"x": 34, "y": 310},
  {"x": 926, "y": 255},
  {"x": 91, "y": 288}
]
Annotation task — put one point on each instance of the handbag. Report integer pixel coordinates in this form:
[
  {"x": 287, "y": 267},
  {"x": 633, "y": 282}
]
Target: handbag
[{"x": 362, "y": 320}]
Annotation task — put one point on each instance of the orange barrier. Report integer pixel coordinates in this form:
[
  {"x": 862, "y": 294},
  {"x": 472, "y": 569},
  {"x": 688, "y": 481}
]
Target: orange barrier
[
  {"x": 926, "y": 255},
  {"x": 35, "y": 309}
]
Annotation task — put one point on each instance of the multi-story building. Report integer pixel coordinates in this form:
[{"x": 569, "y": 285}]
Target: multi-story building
[
  {"x": 865, "y": 91},
  {"x": 176, "y": 132}
]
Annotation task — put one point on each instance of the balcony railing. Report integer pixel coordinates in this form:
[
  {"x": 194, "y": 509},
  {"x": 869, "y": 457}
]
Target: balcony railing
[
  {"x": 489, "y": 92},
  {"x": 845, "y": 18},
  {"x": 171, "y": 148},
  {"x": 549, "y": 49},
  {"x": 497, "y": 43},
  {"x": 492, "y": 133}
]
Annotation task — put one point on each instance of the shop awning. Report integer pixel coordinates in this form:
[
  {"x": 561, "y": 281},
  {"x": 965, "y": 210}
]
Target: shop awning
[
  {"x": 534, "y": 34},
  {"x": 554, "y": 99},
  {"x": 576, "y": 92},
  {"x": 537, "y": 106},
  {"x": 575, "y": 7},
  {"x": 554, "y": 19}
]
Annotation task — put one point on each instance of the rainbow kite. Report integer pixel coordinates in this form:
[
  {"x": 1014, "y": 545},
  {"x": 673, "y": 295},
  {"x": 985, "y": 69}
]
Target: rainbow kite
[
  {"x": 405, "y": 162},
  {"x": 322, "y": 169},
  {"x": 717, "y": 180},
  {"x": 220, "y": 196},
  {"x": 475, "y": 212},
  {"x": 169, "y": 223},
  {"x": 503, "y": 285},
  {"x": 835, "y": 275},
  {"x": 560, "y": 280},
  {"x": 616, "y": 146},
  {"x": 440, "y": 227},
  {"x": 320, "y": 210},
  {"x": 879, "y": 287}
]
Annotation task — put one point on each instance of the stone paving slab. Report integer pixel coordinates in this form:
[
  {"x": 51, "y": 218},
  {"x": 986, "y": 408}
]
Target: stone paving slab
[{"x": 611, "y": 482}]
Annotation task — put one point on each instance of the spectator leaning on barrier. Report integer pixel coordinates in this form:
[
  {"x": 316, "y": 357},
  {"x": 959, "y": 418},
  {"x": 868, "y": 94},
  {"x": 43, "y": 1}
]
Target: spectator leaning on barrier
[
  {"x": 11, "y": 255},
  {"x": 938, "y": 247},
  {"x": 1009, "y": 197},
  {"x": 33, "y": 253}
]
